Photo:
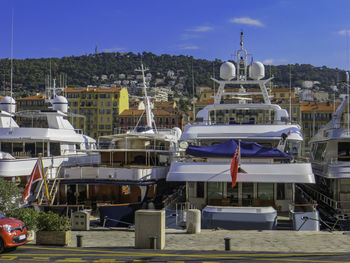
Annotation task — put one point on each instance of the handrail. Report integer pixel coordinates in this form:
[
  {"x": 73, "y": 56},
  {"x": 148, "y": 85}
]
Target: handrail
[{"x": 335, "y": 204}]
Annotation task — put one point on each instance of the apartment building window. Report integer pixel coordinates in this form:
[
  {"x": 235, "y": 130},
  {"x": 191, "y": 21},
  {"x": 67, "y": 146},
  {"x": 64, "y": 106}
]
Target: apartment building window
[
  {"x": 101, "y": 126},
  {"x": 102, "y": 96},
  {"x": 115, "y": 103},
  {"x": 116, "y": 96},
  {"x": 101, "y": 103},
  {"x": 108, "y": 103}
]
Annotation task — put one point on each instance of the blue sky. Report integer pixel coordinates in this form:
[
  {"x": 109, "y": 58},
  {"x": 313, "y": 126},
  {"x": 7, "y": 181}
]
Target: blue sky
[{"x": 276, "y": 31}]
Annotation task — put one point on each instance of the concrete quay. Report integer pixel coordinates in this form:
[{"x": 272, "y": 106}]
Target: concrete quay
[{"x": 211, "y": 240}]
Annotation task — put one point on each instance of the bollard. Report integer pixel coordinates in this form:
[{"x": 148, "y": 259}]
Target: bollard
[
  {"x": 153, "y": 242},
  {"x": 227, "y": 243},
  {"x": 79, "y": 240}
]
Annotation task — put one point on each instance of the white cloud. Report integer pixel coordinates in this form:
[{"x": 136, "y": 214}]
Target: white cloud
[
  {"x": 188, "y": 47},
  {"x": 246, "y": 21},
  {"x": 113, "y": 49},
  {"x": 189, "y": 36},
  {"x": 200, "y": 29},
  {"x": 344, "y": 32},
  {"x": 268, "y": 61}
]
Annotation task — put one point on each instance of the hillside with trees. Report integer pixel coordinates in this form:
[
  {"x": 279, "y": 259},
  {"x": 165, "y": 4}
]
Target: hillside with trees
[{"x": 30, "y": 74}]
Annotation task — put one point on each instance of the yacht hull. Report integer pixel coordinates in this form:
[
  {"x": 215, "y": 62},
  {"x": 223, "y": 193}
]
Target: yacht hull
[{"x": 24, "y": 167}]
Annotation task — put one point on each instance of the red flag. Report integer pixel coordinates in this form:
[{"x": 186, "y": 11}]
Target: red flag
[
  {"x": 234, "y": 167},
  {"x": 35, "y": 176}
]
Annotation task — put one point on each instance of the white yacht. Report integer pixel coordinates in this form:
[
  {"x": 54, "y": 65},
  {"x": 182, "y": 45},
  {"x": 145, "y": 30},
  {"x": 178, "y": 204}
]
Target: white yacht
[
  {"x": 330, "y": 157},
  {"x": 133, "y": 165},
  {"x": 266, "y": 177},
  {"x": 55, "y": 139}
]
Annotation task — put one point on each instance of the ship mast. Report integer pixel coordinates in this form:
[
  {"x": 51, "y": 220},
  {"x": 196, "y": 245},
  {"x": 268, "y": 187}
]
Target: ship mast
[{"x": 149, "y": 117}]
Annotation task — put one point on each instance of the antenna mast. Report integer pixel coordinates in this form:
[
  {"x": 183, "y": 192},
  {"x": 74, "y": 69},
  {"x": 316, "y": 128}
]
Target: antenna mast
[{"x": 11, "y": 55}]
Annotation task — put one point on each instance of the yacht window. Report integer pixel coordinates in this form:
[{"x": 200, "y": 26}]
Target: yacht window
[
  {"x": 232, "y": 193},
  {"x": 321, "y": 147},
  {"x": 215, "y": 190},
  {"x": 30, "y": 148},
  {"x": 265, "y": 191},
  {"x": 39, "y": 148},
  {"x": 55, "y": 149},
  {"x": 281, "y": 194},
  {"x": 17, "y": 147},
  {"x": 247, "y": 193},
  {"x": 344, "y": 151},
  {"x": 6, "y": 147},
  {"x": 200, "y": 189}
]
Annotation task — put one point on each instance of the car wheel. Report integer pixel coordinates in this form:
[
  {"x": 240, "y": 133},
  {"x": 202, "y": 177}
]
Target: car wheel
[{"x": 2, "y": 246}]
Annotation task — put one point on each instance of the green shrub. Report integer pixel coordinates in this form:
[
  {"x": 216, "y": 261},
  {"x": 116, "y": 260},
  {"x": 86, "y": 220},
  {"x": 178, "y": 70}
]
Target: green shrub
[
  {"x": 10, "y": 195},
  {"x": 53, "y": 222},
  {"x": 28, "y": 215}
]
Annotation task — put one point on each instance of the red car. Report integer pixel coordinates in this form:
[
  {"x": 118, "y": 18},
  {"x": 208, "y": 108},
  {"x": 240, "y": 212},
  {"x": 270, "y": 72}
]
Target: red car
[{"x": 13, "y": 233}]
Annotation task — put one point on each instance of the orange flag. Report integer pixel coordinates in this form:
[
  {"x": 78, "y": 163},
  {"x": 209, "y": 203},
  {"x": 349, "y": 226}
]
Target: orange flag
[{"x": 234, "y": 167}]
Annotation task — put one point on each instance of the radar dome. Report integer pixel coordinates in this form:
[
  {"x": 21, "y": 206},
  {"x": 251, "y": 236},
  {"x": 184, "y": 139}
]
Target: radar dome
[
  {"x": 8, "y": 104},
  {"x": 257, "y": 70},
  {"x": 227, "y": 71},
  {"x": 60, "y": 103}
]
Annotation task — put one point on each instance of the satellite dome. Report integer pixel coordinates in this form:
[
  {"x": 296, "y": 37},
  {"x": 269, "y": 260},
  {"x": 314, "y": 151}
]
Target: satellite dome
[
  {"x": 227, "y": 71},
  {"x": 256, "y": 70},
  {"x": 60, "y": 103},
  {"x": 8, "y": 104}
]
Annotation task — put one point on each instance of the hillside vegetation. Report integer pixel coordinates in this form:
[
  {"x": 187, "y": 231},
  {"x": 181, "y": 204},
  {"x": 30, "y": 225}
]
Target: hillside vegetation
[{"x": 30, "y": 74}]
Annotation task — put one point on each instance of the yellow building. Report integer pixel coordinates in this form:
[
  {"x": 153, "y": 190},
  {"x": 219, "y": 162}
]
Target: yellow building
[{"x": 99, "y": 108}]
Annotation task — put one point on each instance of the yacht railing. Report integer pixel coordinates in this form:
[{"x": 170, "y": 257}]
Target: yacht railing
[
  {"x": 129, "y": 129},
  {"x": 335, "y": 204},
  {"x": 188, "y": 158},
  {"x": 243, "y": 122}
]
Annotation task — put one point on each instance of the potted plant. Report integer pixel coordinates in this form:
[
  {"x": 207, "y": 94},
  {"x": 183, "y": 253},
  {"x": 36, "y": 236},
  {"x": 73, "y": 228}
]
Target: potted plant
[
  {"x": 53, "y": 229},
  {"x": 29, "y": 217}
]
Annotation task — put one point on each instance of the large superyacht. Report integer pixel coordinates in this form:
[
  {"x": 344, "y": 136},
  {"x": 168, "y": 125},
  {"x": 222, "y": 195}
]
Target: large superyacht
[
  {"x": 330, "y": 158},
  {"x": 269, "y": 154},
  {"x": 132, "y": 172},
  {"x": 54, "y": 138}
]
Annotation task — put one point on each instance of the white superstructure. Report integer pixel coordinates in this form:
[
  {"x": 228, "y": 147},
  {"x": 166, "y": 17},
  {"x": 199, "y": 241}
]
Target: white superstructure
[
  {"x": 261, "y": 181},
  {"x": 54, "y": 138}
]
